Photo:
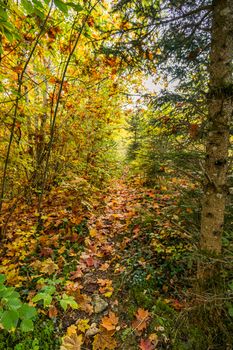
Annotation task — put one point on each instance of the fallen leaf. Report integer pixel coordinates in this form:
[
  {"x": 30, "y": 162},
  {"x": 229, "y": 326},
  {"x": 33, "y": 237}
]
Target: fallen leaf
[
  {"x": 76, "y": 274},
  {"x": 93, "y": 232},
  {"x": 104, "y": 341},
  {"x": 83, "y": 301},
  {"x": 72, "y": 342},
  {"x": 62, "y": 250},
  {"x": 82, "y": 325},
  {"x": 104, "y": 267},
  {"x": 71, "y": 330},
  {"x": 145, "y": 344},
  {"x": 105, "y": 287},
  {"x": 53, "y": 311},
  {"x": 46, "y": 251},
  {"x": 110, "y": 322},
  {"x": 142, "y": 317},
  {"x": 49, "y": 266}
]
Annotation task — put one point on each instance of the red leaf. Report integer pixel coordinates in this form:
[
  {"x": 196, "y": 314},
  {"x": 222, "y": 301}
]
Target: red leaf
[
  {"x": 145, "y": 344},
  {"x": 46, "y": 252},
  {"x": 90, "y": 261}
]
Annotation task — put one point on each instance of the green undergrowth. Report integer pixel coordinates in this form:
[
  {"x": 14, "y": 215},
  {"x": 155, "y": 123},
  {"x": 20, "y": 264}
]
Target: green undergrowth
[{"x": 43, "y": 337}]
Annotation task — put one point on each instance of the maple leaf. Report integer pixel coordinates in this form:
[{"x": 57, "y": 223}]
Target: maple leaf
[
  {"x": 110, "y": 322},
  {"x": 104, "y": 341},
  {"x": 71, "y": 330},
  {"x": 82, "y": 325},
  {"x": 84, "y": 302},
  {"x": 76, "y": 274},
  {"x": 93, "y": 232},
  {"x": 46, "y": 251},
  {"x": 145, "y": 344},
  {"x": 72, "y": 342},
  {"x": 53, "y": 311},
  {"x": 49, "y": 266},
  {"x": 104, "y": 267},
  {"x": 90, "y": 261},
  {"x": 142, "y": 317},
  {"x": 105, "y": 287}
]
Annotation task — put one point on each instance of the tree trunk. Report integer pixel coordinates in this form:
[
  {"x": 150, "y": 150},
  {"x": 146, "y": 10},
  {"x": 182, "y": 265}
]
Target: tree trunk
[{"x": 220, "y": 109}]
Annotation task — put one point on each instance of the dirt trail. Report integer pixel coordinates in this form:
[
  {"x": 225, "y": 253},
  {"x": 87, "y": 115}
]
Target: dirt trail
[{"x": 101, "y": 265}]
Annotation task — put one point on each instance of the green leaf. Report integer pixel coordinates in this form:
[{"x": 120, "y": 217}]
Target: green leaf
[
  {"x": 13, "y": 294},
  {"x": 47, "y": 298},
  {"x": 61, "y": 6},
  {"x": 27, "y": 5},
  {"x": 27, "y": 312},
  {"x": 3, "y": 13},
  {"x": 76, "y": 7},
  {"x": 68, "y": 301},
  {"x": 39, "y": 13},
  {"x": 38, "y": 4},
  {"x": 8, "y": 293},
  {"x": 26, "y": 326},
  {"x": 10, "y": 319},
  {"x": 14, "y": 304},
  {"x": 49, "y": 290},
  {"x": 9, "y": 36},
  {"x": 2, "y": 278},
  {"x": 9, "y": 26}
]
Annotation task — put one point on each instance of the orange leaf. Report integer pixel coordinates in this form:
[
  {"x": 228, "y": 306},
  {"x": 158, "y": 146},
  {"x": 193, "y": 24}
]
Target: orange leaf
[
  {"x": 52, "y": 311},
  {"x": 145, "y": 344},
  {"x": 84, "y": 302},
  {"x": 104, "y": 267},
  {"x": 110, "y": 322},
  {"x": 142, "y": 317}
]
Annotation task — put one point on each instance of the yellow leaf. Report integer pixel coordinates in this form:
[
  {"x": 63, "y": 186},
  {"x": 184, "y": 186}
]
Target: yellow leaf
[
  {"x": 93, "y": 232},
  {"x": 82, "y": 325},
  {"x": 71, "y": 330},
  {"x": 72, "y": 342},
  {"x": 62, "y": 250},
  {"x": 49, "y": 266},
  {"x": 108, "y": 294},
  {"x": 104, "y": 341}
]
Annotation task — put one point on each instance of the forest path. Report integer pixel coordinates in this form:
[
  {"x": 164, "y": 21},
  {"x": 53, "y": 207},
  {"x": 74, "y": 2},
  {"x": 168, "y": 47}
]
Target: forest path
[
  {"x": 115, "y": 275},
  {"x": 102, "y": 269}
]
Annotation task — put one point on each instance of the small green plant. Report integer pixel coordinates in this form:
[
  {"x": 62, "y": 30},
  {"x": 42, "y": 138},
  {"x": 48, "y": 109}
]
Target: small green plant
[
  {"x": 43, "y": 337},
  {"x": 48, "y": 293},
  {"x": 14, "y": 313},
  {"x": 126, "y": 333}
]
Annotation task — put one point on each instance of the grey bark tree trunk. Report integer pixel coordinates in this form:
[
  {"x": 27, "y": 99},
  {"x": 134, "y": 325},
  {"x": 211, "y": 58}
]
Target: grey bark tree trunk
[{"x": 220, "y": 105}]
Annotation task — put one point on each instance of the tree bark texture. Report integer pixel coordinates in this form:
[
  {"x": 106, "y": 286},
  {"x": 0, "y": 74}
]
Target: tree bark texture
[{"x": 220, "y": 110}]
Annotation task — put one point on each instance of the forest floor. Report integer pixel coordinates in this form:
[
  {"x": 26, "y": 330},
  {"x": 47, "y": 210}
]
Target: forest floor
[{"x": 119, "y": 254}]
